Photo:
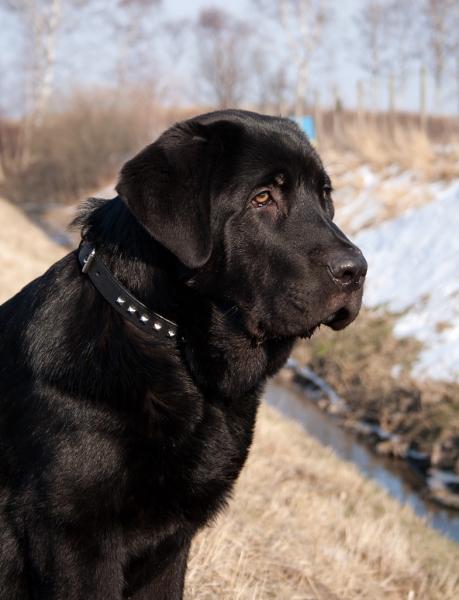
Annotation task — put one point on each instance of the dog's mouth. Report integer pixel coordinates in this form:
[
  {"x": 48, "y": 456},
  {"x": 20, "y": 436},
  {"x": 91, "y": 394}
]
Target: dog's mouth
[
  {"x": 336, "y": 321},
  {"x": 339, "y": 319}
]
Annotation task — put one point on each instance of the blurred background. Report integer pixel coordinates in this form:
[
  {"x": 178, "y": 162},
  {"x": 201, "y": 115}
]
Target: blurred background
[{"x": 85, "y": 84}]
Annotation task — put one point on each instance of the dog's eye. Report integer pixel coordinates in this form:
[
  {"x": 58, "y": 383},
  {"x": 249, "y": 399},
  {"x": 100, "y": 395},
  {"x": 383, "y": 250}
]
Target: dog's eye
[
  {"x": 326, "y": 192},
  {"x": 262, "y": 199}
]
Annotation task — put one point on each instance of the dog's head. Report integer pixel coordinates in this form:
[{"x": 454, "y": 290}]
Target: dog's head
[{"x": 243, "y": 201}]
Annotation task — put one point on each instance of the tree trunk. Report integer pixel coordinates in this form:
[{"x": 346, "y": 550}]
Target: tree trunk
[
  {"x": 43, "y": 93},
  {"x": 301, "y": 90}
]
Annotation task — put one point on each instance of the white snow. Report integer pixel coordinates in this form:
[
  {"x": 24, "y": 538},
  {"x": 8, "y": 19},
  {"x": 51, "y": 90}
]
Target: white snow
[
  {"x": 414, "y": 271},
  {"x": 366, "y": 196}
]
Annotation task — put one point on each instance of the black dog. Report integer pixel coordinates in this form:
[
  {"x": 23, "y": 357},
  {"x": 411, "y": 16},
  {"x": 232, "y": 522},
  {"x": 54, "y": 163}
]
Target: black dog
[{"x": 122, "y": 430}]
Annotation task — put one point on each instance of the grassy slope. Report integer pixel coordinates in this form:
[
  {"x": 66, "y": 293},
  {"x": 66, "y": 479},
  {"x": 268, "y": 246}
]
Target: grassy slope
[
  {"x": 302, "y": 518},
  {"x": 303, "y": 524},
  {"x": 358, "y": 363},
  {"x": 25, "y": 251}
]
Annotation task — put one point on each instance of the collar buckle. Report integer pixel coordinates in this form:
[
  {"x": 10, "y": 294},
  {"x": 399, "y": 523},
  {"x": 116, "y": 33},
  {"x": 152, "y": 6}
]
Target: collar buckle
[
  {"x": 123, "y": 301},
  {"x": 88, "y": 260}
]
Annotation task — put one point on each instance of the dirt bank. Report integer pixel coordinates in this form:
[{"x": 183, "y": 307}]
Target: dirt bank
[
  {"x": 25, "y": 250},
  {"x": 421, "y": 415}
]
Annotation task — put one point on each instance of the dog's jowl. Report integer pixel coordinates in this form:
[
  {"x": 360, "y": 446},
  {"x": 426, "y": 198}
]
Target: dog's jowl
[{"x": 131, "y": 371}]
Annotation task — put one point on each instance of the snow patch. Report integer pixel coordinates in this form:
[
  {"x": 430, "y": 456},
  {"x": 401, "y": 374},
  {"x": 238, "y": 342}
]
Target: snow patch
[{"x": 414, "y": 269}]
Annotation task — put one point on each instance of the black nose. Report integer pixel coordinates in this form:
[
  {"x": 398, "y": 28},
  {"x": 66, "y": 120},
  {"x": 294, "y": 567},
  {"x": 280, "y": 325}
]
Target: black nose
[{"x": 349, "y": 268}]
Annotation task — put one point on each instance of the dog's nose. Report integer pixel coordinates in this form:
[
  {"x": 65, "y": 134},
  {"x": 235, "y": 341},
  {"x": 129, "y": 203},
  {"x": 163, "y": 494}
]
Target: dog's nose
[{"x": 349, "y": 269}]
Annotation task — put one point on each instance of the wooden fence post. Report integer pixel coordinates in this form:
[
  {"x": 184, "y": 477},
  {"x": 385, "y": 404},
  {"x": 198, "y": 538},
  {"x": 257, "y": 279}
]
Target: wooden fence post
[
  {"x": 457, "y": 75},
  {"x": 423, "y": 113},
  {"x": 392, "y": 106},
  {"x": 317, "y": 116},
  {"x": 336, "y": 115},
  {"x": 360, "y": 108}
]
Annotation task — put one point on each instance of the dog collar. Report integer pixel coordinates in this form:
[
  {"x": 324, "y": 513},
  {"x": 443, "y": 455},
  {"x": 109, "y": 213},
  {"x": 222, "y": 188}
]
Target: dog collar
[{"x": 123, "y": 301}]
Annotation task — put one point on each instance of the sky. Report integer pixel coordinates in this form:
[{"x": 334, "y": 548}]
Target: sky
[
  {"x": 190, "y": 8},
  {"x": 339, "y": 67}
]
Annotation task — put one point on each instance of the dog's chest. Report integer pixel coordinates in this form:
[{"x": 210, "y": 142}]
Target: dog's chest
[{"x": 189, "y": 471}]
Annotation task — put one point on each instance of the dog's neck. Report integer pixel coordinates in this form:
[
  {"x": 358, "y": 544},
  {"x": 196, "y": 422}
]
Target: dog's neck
[
  {"x": 135, "y": 259},
  {"x": 158, "y": 280}
]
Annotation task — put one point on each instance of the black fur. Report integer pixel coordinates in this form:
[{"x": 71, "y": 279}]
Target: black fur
[{"x": 116, "y": 448}]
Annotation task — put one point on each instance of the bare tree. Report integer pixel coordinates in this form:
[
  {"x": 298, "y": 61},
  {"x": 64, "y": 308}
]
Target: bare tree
[
  {"x": 130, "y": 21},
  {"x": 225, "y": 56},
  {"x": 303, "y": 22},
  {"x": 41, "y": 21},
  {"x": 272, "y": 84},
  {"x": 440, "y": 41},
  {"x": 455, "y": 40},
  {"x": 174, "y": 38},
  {"x": 372, "y": 27},
  {"x": 401, "y": 33}
]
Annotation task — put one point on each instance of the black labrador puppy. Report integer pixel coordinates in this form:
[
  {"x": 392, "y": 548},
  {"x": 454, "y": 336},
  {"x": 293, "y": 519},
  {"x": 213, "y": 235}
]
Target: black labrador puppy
[{"x": 131, "y": 371}]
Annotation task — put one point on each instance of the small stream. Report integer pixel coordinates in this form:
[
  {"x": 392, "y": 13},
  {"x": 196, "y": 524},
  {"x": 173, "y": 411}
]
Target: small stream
[{"x": 395, "y": 477}]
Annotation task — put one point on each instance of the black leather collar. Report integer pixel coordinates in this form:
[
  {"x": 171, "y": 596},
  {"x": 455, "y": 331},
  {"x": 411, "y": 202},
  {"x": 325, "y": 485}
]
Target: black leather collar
[{"x": 123, "y": 301}]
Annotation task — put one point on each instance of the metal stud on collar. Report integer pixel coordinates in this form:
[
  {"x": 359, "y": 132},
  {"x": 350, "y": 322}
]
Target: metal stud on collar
[{"x": 122, "y": 300}]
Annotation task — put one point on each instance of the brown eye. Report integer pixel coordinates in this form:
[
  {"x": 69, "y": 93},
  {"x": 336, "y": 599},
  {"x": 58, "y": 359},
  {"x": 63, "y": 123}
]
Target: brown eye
[
  {"x": 262, "y": 199},
  {"x": 326, "y": 193}
]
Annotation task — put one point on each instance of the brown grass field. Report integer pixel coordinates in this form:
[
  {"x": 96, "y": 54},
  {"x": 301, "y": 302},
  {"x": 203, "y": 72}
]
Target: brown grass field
[{"x": 303, "y": 525}]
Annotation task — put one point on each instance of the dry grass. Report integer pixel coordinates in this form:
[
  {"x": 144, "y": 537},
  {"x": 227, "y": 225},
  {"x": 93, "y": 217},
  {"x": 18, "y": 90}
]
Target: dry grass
[
  {"x": 82, "y": 143},
  {"x": 25, "y": 251},
  {"x": 304, "y": 524},
  {"x": 390, "y": 197},
  {"x": 434, "y": 152},
  {"x": 401, "y": 172},
  {"x": 410, "y": 149},
  {"x": 358, "y": 362}
]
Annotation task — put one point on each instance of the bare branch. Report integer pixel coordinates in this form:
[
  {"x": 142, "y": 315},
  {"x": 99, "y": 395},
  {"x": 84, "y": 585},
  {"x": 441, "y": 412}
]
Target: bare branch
[
  {"x": 371, "y": 23},
  {"x": 303, "y": 22},
  {"x": 130, "y": 29},
  {"x": 41, "y": 20},
  {"x": 440, "y": 40},
  {"x": 225, "y": 56}
]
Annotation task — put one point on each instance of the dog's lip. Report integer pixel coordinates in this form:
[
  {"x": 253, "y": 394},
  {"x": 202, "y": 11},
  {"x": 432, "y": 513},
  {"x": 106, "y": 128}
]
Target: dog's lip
[
  {"x": 334, "y": 320},
  {"x": 339, "y": 319}
]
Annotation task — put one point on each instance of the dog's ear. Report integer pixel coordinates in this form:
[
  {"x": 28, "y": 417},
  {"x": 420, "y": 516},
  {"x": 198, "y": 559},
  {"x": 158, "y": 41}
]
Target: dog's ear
[{"x": 166, "y": 186}]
